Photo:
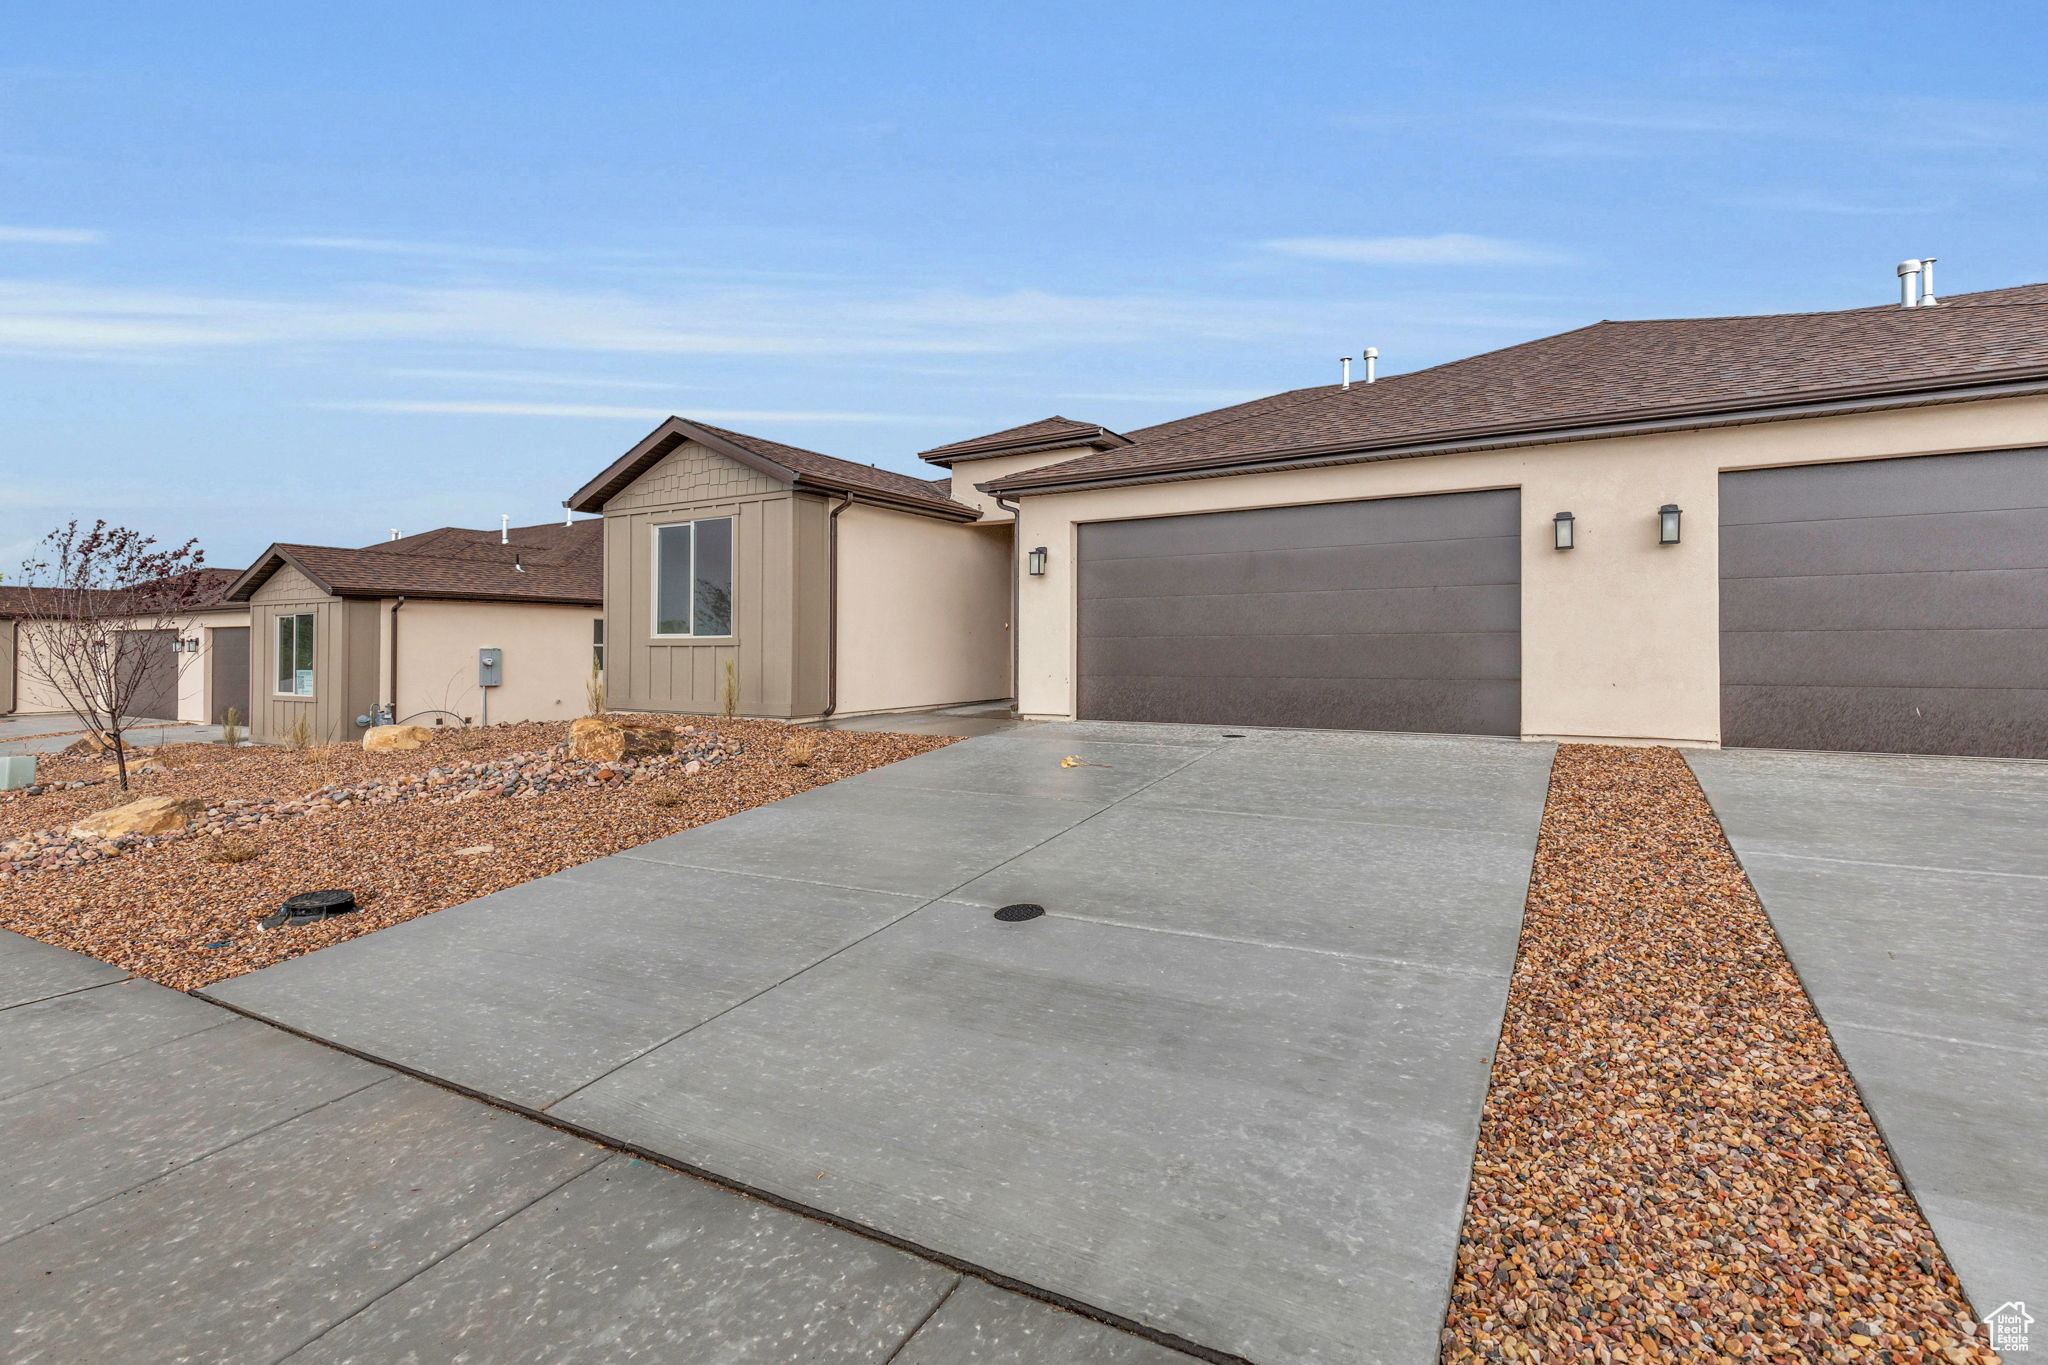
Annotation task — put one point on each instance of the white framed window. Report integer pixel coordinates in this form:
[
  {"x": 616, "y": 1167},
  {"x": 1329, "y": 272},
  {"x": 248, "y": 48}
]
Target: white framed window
[
  {"x": 693, "y": 579},
  {"x": 295, "y": 655}
]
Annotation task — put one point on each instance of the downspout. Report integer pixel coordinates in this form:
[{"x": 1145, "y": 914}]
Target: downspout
[
  {"x": 395, "y": 606},
  {"x": 832, "y": 608},
  {"x": 1016, "y": 562}
]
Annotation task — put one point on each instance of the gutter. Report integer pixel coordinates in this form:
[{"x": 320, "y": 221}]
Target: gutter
[
  {"x": 832, "y": 609},
  {"x": 1333, "y": 453}
]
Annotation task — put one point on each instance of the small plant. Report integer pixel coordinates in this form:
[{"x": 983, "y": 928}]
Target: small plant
[
  {"x": 665, "y": 798},
  {"x": 300, "y": 737},
  {"x": 593, "y": 690},
  {"x": 729, "y": 691},
  {"x": 231, "y": 728},
  {"x": 232, "y": 850},
  {"x": 800, "y": 749}
]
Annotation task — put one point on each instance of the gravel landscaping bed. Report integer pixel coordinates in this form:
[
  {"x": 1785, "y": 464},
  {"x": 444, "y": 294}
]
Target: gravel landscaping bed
[
  {"x": 1674, "y": 1164},
  {"x": 473, "y": 812}
]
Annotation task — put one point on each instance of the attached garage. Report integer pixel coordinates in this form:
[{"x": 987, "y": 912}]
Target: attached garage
[
  {"x": 1890, "y": 606},
  {"x": 1389, "y": 614}
]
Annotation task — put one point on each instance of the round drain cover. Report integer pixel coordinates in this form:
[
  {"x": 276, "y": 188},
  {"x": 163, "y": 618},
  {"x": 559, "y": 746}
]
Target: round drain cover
[
  {"x": 1010, "y": 914},
  {"x": 320, "y": 903}
]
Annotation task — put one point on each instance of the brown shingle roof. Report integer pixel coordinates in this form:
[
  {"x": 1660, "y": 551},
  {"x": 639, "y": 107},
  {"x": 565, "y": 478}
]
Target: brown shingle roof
[
  {"x": 803, "y": 468},
  {"x": 1049, "y": 433},
  {"x": 207, "y": 593},
  {"x": 546, "y": 563},
  {"x": 1609, "y": 372}
]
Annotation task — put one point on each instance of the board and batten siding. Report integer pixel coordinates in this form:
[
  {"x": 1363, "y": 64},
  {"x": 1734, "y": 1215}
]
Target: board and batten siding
[
  {"x": 779, "y": 566},
  {"x": 344, "y": 660}
]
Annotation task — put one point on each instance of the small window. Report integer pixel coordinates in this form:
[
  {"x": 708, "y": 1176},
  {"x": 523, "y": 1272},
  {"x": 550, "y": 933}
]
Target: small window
[
  {"x": 597, "y": 644},
  {"x": 295, "y": 655},
  {"x": 693, "y": 578}
]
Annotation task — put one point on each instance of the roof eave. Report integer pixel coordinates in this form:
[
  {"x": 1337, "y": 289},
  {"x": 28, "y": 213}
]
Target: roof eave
[
  {"x": 1499, "y": 436},
  {"x": 1102, "y": 438},
  {"x": 657, "y": 443},
  {"x": 266, "y": 564}
]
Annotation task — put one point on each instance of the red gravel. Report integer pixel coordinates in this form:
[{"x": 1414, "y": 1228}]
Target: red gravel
[
  {"x": 1673, "y": 1163},
  {"x": 170, "y": 913}
]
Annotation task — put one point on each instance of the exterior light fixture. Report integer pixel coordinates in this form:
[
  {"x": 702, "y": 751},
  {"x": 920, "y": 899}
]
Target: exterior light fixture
[
  {"x": 1035, "y": 562},
  {"x": 1667, "y": 524},
  {"x": 1561, "y": 530}
]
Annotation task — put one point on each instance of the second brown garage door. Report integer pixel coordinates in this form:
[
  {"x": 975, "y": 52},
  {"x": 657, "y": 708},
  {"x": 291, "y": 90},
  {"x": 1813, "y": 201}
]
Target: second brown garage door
[
  {"x": 1894, "y": 606},
  {"x": 1394, "y": 614}
]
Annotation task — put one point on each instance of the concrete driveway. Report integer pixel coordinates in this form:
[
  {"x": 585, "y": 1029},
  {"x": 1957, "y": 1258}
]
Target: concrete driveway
[
  {"x": 186, "y": 1184},
  {"x": 1912, "y": 897},
  {"x": 1227, "y": 1090}
]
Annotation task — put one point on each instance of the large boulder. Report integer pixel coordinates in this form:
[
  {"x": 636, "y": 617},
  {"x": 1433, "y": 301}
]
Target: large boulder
[
  {"x": 598, "y": 740},
  {"x": 386, "y": 739},
  {"x": 85, "y": 746},
  {"x": 143, "y": 815}
]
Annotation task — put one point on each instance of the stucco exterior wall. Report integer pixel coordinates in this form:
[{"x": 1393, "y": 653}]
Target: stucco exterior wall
[
  {"x": 546, "y": 659},
  {"x": 1620, "y": 636},
  {"x": 924, "y": 609},
  {"x": 967, "y": 473}
]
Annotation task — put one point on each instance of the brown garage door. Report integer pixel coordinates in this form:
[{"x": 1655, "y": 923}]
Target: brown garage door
[
  {"x": 150, "y": 658},
  {"x": 230, "y": 664},
  {"x": 1394, "y": 614},
  {"x": 1895, "y": 606}
]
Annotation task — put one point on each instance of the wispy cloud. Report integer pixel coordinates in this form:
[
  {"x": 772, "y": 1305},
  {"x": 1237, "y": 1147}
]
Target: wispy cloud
[
  {"x": 543, "y": 378},
  {"x": 488, "y": 408},
  {"x": 1892, "y": 122},
  {"x": 34, "y": 236},
  {"x": 1805, "y": 202},
  {"x": 1446, "y": 248},
  {"x": 388, "y": 246}
]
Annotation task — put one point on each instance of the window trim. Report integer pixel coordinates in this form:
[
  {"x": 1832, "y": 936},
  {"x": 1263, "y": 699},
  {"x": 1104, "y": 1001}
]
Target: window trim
[
  {"x": 654, "y": 630},
  {"x": 279, "y": 657}
]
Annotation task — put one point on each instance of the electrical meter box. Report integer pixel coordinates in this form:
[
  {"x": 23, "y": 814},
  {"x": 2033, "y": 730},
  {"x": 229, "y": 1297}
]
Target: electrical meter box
[{"x": 490, "y": 667}]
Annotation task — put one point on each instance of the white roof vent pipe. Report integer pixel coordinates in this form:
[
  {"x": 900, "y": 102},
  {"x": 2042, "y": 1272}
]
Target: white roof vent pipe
[
  {"x": 394, "y": 533},
  {"x": 1372, "y": 359},
  {"x": 1927, "y": 299},
  {"x": 1344, "y": 364},
  {"x": 1909, "y": 284},
  {"x": 504, "y": 529}
]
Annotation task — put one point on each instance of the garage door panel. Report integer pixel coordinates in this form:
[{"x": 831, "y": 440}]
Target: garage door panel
[
  {"x": 1306, "y": 613},
  {"x": 1384, "y": 521},
  {"x": 1945, "y": 542},
  {"x": 1475, "y": 707},
  {"x": 1394, "y": 614},
  {"x": 1992, "y": 723},
  {"x": 1885, "y": 658},
  {"x": 1895, "y": 606},
  {"x": 2001, "y": 599},
  {"x": 1446, "y": 656},
  {"x": 1478, "y": 561},
  {"x": 1993, "y": 479}
]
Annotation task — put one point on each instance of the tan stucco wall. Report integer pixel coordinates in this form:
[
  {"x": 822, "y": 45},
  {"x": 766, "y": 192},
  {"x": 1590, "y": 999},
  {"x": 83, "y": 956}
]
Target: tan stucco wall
[
  {"x": 1620, "y": 636},
  {"x": 968, "y": 473},
  {"x": 924, "y": 608},
  {"x": 546, "y": 659}
]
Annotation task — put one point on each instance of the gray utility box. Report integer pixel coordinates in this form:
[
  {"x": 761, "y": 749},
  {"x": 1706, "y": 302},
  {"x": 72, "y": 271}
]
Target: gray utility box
[
  {"x": 17, "y": 770},
  {"x": 490, "y": 667}
]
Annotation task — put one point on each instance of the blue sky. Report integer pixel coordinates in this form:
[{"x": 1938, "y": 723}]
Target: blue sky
[{"x": 268, "y": 273}]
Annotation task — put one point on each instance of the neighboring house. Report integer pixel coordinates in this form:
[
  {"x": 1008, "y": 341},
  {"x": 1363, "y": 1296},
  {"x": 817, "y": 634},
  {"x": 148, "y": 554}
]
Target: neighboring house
[
  {"x": 344, "y": 637},
  {"x": 1854, "y": 556},
  {"x": 207, "y": 673},
  {"x": 828, "y": 587}
]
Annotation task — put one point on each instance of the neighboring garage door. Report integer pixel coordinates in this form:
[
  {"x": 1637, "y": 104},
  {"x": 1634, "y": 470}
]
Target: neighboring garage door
[
  {"x": 1394, "y": 614},
  {"x": 152, "y": 654},
  {"x": 1895, "y": 606}
]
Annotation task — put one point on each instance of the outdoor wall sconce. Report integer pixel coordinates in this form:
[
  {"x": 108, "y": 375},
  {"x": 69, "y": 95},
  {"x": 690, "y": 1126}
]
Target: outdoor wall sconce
[
  {"x": 1667, "y": 524},
  {"x": 1561, "y": 530},
  {"x": 1034, "y": 563}
]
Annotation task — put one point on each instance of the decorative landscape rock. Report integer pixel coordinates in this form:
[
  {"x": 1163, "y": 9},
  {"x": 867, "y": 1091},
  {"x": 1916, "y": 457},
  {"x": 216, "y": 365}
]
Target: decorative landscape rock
[
  {"x": 144, "y": 815},
  {"x": 605, "y": 741},
  {"x": 85, "y": 746},
  {"x": 384, "y": 739}
]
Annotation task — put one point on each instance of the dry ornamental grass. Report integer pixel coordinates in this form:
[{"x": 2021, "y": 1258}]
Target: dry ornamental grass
[
  {"x": 1674, "y": 1164},
  {"x": 179, "y": 913}
]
